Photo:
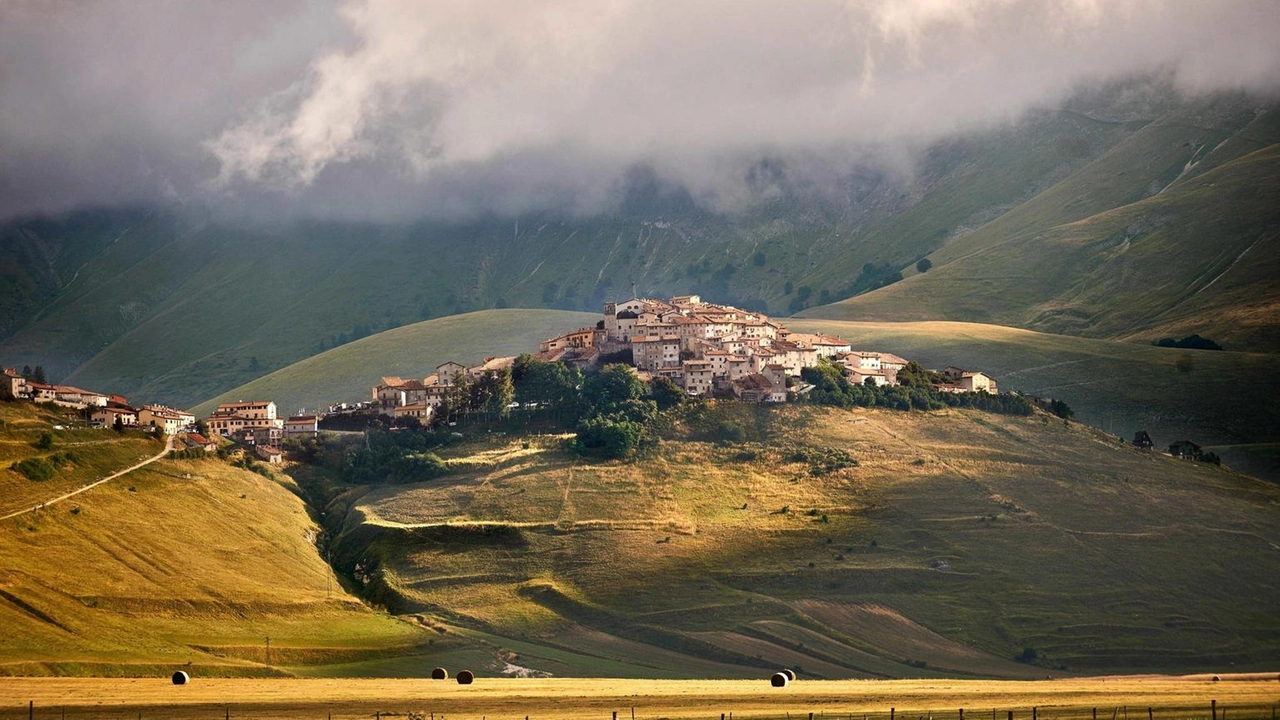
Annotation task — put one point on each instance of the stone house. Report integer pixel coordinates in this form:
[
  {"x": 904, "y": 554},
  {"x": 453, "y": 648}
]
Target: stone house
[{"x": 697, "y": 376}]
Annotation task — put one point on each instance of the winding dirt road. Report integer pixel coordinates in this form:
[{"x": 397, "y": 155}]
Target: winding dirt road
[{"x": 167, "y": 447}]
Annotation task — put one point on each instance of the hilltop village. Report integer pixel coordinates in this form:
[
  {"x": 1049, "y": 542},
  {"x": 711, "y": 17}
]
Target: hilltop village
[
  {"x": 706, "y": 349},
  {"x": 700, "y": 348}
]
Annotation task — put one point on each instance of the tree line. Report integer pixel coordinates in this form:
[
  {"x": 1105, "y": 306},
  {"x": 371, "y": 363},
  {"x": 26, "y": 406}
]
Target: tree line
[{"x": 915, "y": 391}]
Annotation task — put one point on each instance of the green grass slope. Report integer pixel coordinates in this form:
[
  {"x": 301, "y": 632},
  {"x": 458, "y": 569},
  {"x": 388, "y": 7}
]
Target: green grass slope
[
  {"x": 959, "y": 540},
  {"x": 348, "y": 372},
  {"x": 183, "y": 564},
  {"x": 1214, "y": 398},
  {"x": 1109, "y": 252},
  {"x": 79, "y": 457}
]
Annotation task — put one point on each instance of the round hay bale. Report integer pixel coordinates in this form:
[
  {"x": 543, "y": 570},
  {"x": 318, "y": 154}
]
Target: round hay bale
[
  {"x": 439, "y": 674},
  {"x": 791, "y": 674},
  {"x": 181, "y": 678},
  {"x": 466, "y": 677},
  {"x": 779, "y": 679},
  {"x": 1216, "y": 678}
]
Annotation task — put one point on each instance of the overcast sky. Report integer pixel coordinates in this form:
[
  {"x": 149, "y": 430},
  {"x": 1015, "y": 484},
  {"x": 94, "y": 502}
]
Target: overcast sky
[{"x": 409, "y": 107}]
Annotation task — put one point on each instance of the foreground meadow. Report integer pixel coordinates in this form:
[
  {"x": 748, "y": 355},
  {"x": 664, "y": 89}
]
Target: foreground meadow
[{"x": 1241, "y": 696}]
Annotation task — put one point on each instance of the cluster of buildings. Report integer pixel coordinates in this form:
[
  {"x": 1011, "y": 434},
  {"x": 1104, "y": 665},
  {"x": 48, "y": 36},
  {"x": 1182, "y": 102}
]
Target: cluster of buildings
[
  {"x": 102, "y": 410},
  {"x": 708, "y": 348},
  {"x": 256, "y": 424},
  {"x": 704, "y": 348},
  {"x": 396, "y": 397}
]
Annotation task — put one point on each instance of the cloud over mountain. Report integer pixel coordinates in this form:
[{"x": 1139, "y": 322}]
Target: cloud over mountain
[{"x": 398, "y": 106}]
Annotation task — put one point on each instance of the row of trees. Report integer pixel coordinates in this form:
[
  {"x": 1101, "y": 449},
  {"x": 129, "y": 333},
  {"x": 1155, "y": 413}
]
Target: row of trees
[{"x": 916, "y": 392}]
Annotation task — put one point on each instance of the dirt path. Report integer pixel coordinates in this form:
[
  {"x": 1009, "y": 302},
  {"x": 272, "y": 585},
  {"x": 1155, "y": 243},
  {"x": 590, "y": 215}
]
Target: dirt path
[{"x": 167, "y": 447}]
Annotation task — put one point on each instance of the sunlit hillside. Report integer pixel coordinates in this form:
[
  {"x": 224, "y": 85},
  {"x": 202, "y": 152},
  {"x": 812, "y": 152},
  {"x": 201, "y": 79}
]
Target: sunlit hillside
[
  {"x": 184, "y": 564},
  {"x": 847, "y": 544}
]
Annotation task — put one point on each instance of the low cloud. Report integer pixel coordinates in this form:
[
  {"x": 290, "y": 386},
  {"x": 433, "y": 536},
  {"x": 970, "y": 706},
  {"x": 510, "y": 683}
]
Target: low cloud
[{"x": 457, "y": 107}]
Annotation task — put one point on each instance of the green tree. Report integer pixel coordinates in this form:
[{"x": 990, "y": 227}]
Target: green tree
[
  {"x": 39, "y": 376},
  {"x": 118, "y": 425},
  {"x": 665, "y": 393},
  {"x": 492, "y": 392},
  {"x": 616, "y": 439},
  {"x": 45, "y": 442},
  {"x": 610, "y": 390},
  {"x": 758, "y": 259},
  {"x": 548, "y": 385},
  {"x": 923, "y": 265}
]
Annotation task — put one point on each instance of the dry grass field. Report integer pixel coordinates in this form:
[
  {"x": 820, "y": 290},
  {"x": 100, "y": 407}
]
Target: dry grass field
[
  {"x": 1242, "y": 697},
  {"x": 183, "y": 563},
  {"x": 1214, "y": 398},
  {"x": 958, "y": 540}
]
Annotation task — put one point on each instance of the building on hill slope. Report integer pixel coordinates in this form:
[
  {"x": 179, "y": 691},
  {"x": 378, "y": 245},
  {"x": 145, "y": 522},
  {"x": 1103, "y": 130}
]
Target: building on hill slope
[
  {"x": 231, "y": 418},
  {"x": 395, "y": 397},
  {"x": 165, "y": 419},
  {"x": 106, "y": 417},
  {"x": 580, "y": 338},
  {"x": 971, "y": 380},
  {"x": 41, "y": 392},
  {"x": 825, "y": 346},
  {"x": 302, "y": 426},
  {"x": 12, "y": 385},
  {"x": 196, "y": 440}
]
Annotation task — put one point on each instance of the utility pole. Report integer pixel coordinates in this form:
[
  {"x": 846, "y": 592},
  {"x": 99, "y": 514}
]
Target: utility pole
[{"x": 268, "y": 650}]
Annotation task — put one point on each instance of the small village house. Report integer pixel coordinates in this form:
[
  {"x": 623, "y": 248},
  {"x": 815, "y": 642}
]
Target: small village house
[
  {"x": 697, "y": 377},
  {"x": 106, "y": 417},
  {"x": 196, "y": 440},
  {"x": 302, "y": 426},
  {"x": 12, "y": 385},
  {"x": 969, "y": 380},
  {"x": 164, "y": 419},
  {"x": 422, "y": 412}
]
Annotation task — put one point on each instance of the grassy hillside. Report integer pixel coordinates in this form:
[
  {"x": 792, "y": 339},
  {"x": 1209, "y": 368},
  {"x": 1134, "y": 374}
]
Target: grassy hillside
[
  {"x": 183, "y": 306},
  {"x": 959, "y": 540},
  {"x": 182, "y": 564},
  {"x": 79, "y": 457},
  {"x": 1105, "y": 254},
  {"x": 348, "y": 372},
  {"x": 1215, "y": 398}
]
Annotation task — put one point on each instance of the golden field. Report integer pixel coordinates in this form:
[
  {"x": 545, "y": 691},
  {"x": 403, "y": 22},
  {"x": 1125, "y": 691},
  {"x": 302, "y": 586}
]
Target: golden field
[{"x": 1241, "y": 696}]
